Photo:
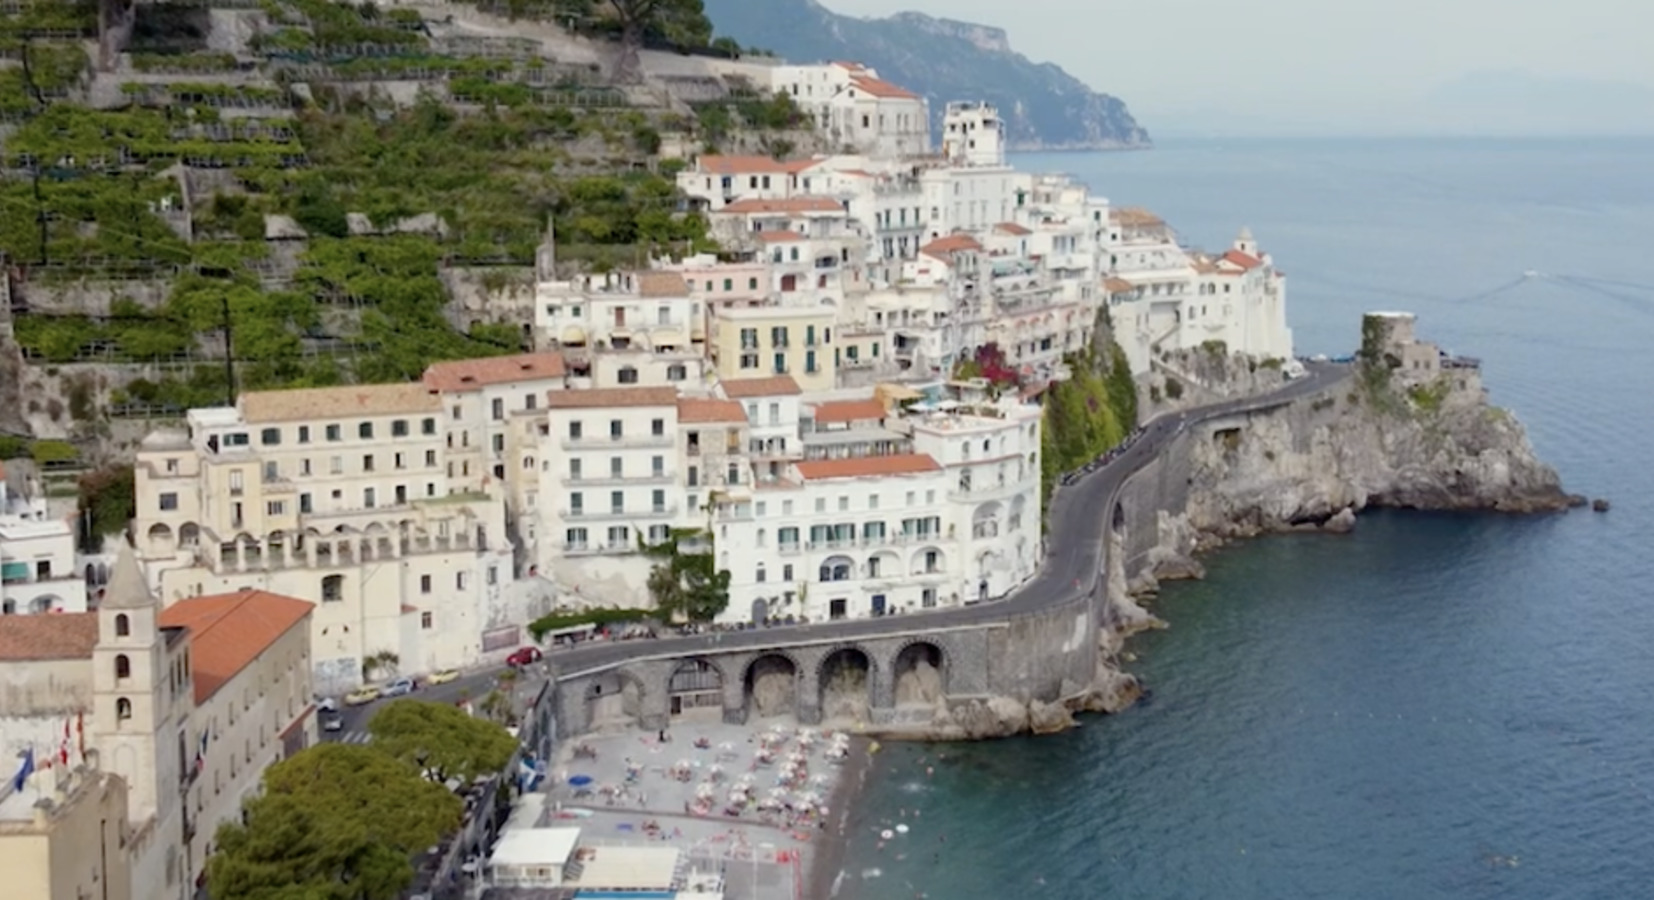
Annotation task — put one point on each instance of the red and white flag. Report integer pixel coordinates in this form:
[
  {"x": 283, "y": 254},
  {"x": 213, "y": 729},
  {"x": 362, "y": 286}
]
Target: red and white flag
[
  {"x": 63, "y": 747},
  {"x": 80, "y": 734}
]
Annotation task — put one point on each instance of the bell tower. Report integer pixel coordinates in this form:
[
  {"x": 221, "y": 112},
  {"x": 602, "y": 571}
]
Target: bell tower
[{"x": 133, "y": 691}]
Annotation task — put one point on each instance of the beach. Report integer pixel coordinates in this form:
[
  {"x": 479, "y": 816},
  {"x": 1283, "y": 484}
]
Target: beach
[{"x": 766, "y": 804}]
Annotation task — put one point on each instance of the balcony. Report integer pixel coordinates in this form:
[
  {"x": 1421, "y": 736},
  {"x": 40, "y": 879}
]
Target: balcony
[
  {"x": 650, "y": 477},
  {"x": 590, "y": 548},
  {"x": 595, "y": 515},
  {"x": 629, "y": 441}
]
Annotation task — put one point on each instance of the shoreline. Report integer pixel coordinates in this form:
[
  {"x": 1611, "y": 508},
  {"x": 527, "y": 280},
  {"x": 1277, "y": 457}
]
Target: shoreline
[{"x": 827, "y": 864}]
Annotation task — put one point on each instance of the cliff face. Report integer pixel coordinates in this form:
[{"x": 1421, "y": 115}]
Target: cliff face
[{"x": 1043, "y": 106}]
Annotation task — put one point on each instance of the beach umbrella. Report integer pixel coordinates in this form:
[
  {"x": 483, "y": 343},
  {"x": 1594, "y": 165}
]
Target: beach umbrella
[{"x": 580, "y": 780}]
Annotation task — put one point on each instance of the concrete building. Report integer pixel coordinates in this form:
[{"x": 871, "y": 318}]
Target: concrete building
[
  {"x": 167, "y": 716},
  {"x": 856, "y": 109},
  {"x": 973, "y": 134},
  {"x": 340, "y": 496},
  {"x": 623, "y": 328},
  {"x": 37, "y": 553},
  {"x": 752, "y": 342}
]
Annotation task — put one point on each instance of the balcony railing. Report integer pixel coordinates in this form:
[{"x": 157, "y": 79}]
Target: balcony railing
[
  {"x": 651, "y": 511},
  {"x": 604, "y": 442},
  {"x": 666, "y": 475}
]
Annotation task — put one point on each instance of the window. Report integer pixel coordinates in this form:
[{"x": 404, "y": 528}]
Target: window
[
  {"x": 275, "y": 508},
  {"x": 810, "y": 367},
  {"x": 752, "y": 284},
  {"x": 369, "y": 498},
  {"x": 425, "y": 621},
  {"x": 657, "y": 427},
  {"x": 657, "y": 466},
  {"x": 304, "y": 434},
  {"x": 270, "y": 437},
  {"x": 123, "y": 625},
  {"x": 787, "y": 537},
  {"x": 493, "y": 575},
  {"x": 424, "y": 584},
  {"x": 574, "y": 470},
  {"x": 530, "y": 401},
  {"x": 365, "y": 430},
  {"x": 577, "y": 504},
  {"x": 658, "y": 500},
  {"x": 367, "y": 462},
  {"x": 499, "y": 443},
  {"x": 497, "y": 408},
  {"x": 617, "y": 467},
  {"x": 235, "y": 481},
  {"x": 872, "y": 501},
  {"x": 575, "y": 538},
  {"x": 399, "y": 428},
  {"x": 427, "y": 426},
  {"x": 759, "y": 575},
  {"x": 617, "y": 429},
  {"x": 304, "y": 504},
  {"x": 123, "y": 709},
  {"x": 333, "y": 588},
  {"x": 749, "y": 360},
  {"x": 617, "y": 501},
  {"x": 628, "y": 375},
  {"x": 333, "y": 433},
  {"x": 430, "y": 459},
  {"x": 574, "y": 431},
  {"x": 398, "y": 461},
  {"x": 676, "y": 372},
  {"x": 462, "y": 580},
  {"x": 780, "y": 363},
  {"x": 123, "y": 667},
  {"x": 168, "y": 502},
  {"x": 336, "y": 465}
]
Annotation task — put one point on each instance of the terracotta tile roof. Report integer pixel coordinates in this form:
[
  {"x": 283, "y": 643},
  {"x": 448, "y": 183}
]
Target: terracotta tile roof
[
  {"x": 1118, "y": 285},
  {"x": 1246, "y": 261},
  {"x": 849, "y": 411},
  {"x": 739, "y": 165},
  {"x": 865, "y": 466},
  {"x": 309, "y": 404},
  {"x": 805, "y": 203},
  {"x": 777, "y": 237},
  {"x": 951, "y": 244},
  {"x": 857, "y": 173},
  {"x": 1011, "y": 228},
  {"x": 882, "y": 89},
  {"x": 695, "y": 410},
  {"x": 48, "y": 636},
  {"x": 463, "y": 375},
  {"x": 661, "y": 284},
  {"x": 773, "y": 386},
  {"x": 1134, "y": 215},
  {"x": 598, "y": 398},
  {"x": 229, "y": 631},
  {"x": 796, "y": 166}
]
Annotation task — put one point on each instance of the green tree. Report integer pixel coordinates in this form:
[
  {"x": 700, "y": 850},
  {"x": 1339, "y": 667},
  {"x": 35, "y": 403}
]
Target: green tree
[
  {"x": 335, "y": 822},
  {"x": 106, "y": 504},
  {"x": 686, "y": 582},
  {"x": 442, "y": 739}
]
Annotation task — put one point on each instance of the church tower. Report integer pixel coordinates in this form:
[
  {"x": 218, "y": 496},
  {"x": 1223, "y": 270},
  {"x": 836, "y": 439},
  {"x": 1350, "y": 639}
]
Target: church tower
[
  {"x": 1245, "y": 243},
  {"x": 135, "y": 689}
]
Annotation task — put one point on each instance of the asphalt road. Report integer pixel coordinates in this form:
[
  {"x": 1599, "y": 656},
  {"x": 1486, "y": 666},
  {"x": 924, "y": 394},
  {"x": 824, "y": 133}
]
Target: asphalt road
[{"x": 1074, "y": 551}]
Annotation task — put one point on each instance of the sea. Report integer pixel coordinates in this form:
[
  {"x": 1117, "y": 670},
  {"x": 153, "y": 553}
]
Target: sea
[{"x": 1437, "y": 706}]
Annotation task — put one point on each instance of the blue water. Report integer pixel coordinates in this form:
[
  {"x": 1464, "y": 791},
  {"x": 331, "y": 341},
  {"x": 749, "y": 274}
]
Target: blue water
[{"x": 1435, "y": 707}]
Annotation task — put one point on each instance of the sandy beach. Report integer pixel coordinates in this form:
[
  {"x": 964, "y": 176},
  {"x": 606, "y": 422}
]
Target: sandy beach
[{"x": 765, "y": 803}]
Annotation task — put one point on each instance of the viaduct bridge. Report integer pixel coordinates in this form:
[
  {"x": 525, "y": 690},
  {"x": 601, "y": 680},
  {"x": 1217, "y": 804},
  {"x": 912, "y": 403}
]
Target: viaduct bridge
[{"x": 1038, "y": 642}]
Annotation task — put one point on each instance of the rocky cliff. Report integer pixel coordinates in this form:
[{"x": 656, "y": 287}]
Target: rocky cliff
[{"x": 1043, "y": 106}]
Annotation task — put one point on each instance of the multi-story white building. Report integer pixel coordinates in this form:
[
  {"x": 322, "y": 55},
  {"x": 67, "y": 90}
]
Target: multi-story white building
[
  {"x": 614, "y": 484},
  {"x": 185, "y": 706},
  {"x": 973, "y": 134},
  {"x": 37, "y": 554},
  {"x": 856, "y": 109},
  {"x": 340, "y": 496}
]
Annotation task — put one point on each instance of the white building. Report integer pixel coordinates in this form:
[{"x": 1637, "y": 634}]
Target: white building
[
  {"x": 856, "y": 109},
  {"x": 973, "y": 134},
  {"x": 37, "y": 554},
  {"x": 340, "y": 496}
]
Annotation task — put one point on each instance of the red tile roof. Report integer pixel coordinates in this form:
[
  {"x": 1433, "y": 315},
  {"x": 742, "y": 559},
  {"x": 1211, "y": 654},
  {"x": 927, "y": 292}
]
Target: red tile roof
[
  {"x": 229, "y": 631},
  {"x": 796, "y": 166},
  {"x": 773, "y": 386},
  {"x": 599, "y": 398},
  {"x": 739, "y": 165},
  {"x": 882, "y": 89},
  {"x": 473, "y": 374},
  {"x": 799, "y": 204},
  {"x": 45, "y": 636},
  {"x": 661, "y": 284},
  {"x": 864, "y": 466},
  {"x": 696, "y": 411},
  {"x": 1118, "y": 285},
  {"x": 776, "y": 237},
  {"x": 1246, "y": 261},
  {"x": 1011, "y": 228},
  {"x": 849, "y": 411},
  {"x": 951, "y": 244}
]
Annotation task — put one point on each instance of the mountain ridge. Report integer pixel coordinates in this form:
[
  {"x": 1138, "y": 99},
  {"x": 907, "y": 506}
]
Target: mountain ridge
[{"x": 1044, "y": 107}]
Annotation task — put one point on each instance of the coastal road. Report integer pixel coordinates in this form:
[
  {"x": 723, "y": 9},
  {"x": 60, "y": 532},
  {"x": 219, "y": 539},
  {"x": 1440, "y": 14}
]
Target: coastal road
[{"x": 1078, "y": 519}]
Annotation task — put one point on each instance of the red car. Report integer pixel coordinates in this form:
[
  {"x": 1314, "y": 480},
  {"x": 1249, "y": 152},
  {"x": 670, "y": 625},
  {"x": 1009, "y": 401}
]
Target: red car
[{"x": 522, "y": 656}]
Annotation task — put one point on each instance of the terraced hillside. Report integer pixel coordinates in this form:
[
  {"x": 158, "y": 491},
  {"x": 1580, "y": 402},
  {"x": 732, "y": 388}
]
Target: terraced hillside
[{"x": 314, "y": 191}]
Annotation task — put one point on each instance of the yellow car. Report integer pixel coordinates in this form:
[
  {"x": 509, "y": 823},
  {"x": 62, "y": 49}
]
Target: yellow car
[
  {"x": 361, "y": 696},
  {"x": 442, "y": 677}
]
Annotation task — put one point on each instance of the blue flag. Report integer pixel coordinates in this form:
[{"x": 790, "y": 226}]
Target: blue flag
[{"x": 23, "y": 774}]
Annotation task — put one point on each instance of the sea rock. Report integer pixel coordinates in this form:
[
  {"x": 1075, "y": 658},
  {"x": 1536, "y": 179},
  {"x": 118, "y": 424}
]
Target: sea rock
[
  {"x": 1600, "y": 505},
  {"x": 1342, "y": 522},
  {"x": 1048, "y": 718}
]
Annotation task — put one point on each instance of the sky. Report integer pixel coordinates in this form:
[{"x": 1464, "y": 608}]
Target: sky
[{"x": 1340, "y": 66}]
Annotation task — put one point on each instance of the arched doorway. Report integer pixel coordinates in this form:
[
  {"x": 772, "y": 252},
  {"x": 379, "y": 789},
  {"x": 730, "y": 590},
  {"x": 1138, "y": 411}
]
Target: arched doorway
[
  {"x": 760, "y": 611},
  {"x": 771, "y": 687},
  {"x": 696, "y": 690},
  {"x": 846, "y": 681},
  {"x": 919, "y": 675}
]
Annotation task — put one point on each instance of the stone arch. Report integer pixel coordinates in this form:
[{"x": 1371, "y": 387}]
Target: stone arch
[
  {"x": 769, "y": 686},
  {"x": 614, "y": 698},
  {"x": 123, "y": 709},
  {"x": 923, "y": 562},
  {"x": 123, "y": 625},
  {"x": 845, "y": 682},
  {"x": 1019, "y": 505},
  {"x": 1117, "y": 519},
  {"x": 160, "y": 539},
  {"x": 919, "y": 673},
  {"x": 695, "y": 689},
  {"x": 45, "y": 603},
  {"x": 985, "y": 520},
  {"x": 837, "y": 567},
  {"x": 123, "y": 667},
  {"x": 189, "y": 535}
]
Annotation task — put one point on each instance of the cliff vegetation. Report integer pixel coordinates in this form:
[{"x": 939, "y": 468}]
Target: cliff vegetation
[
  {"x": 944, "y": 60},
  {"x": 1089, "y": 413}
]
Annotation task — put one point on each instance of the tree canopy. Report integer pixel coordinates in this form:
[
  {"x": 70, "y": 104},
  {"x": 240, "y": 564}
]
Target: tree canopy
[
  {"x": 335, "y": 822},
  {"x": 441, "y": 738},
  {"x": 687, "y": 583}
]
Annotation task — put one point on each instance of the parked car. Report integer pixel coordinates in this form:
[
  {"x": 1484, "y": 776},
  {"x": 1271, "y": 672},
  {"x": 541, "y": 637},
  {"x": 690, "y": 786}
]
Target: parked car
[
  {"x": 442, "y": 677},
  {"x": 523, "y": 656},
  {"x": 327, "y": 704},
  {"x": 361, "y": 696},
  {"x": 334, "y": 722},
  {"x": 400, "y": 687}
]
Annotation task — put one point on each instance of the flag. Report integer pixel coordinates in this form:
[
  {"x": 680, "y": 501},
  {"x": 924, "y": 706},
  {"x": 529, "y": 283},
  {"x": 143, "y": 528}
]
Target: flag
[
  {"x": 80, "y": 733},
  {"x": 63, "y": 746},
  {"x": 22, "y": 776}
]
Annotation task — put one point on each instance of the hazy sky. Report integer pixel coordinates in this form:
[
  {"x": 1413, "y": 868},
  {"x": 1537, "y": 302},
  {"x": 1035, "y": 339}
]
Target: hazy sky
[{"x": 1345, "y": 63}]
